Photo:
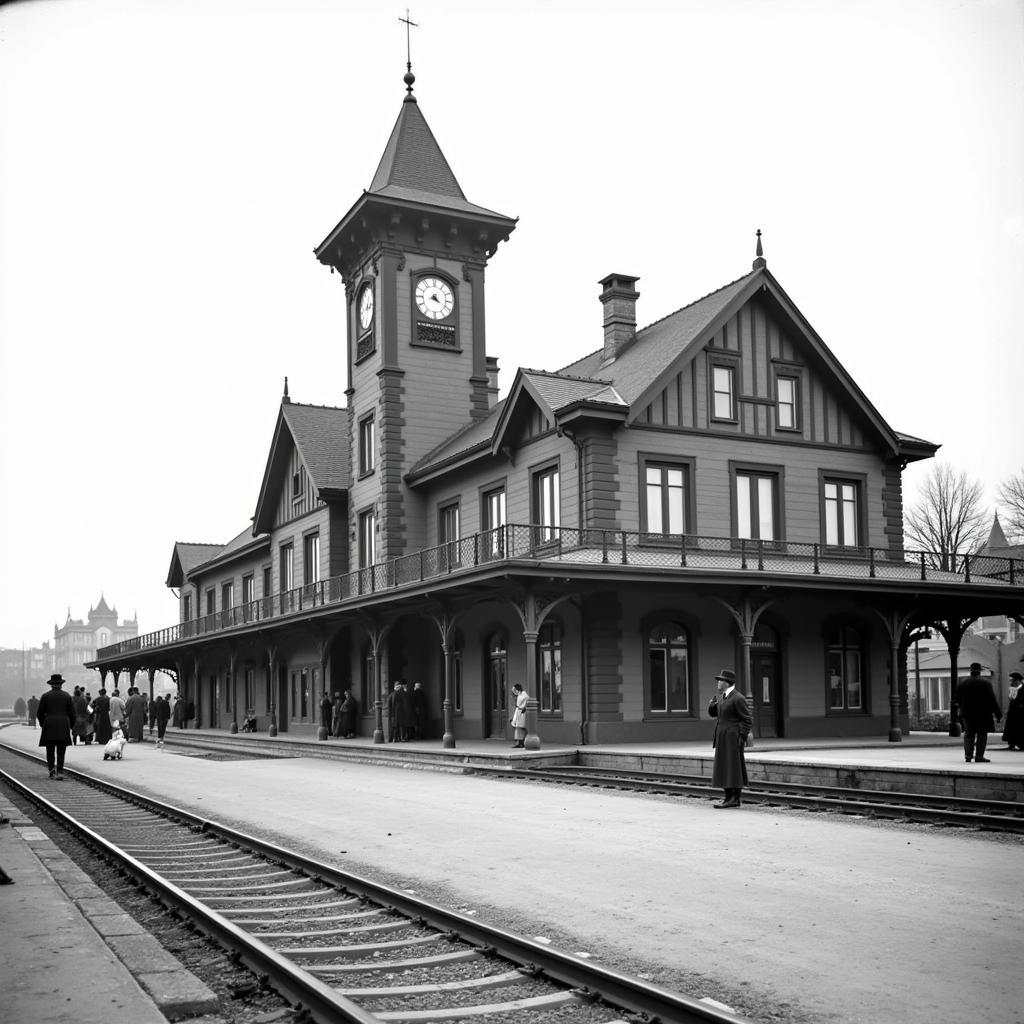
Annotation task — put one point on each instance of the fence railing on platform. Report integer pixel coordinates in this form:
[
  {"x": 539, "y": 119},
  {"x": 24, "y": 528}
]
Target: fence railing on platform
[{"x": 569, "y": 546}]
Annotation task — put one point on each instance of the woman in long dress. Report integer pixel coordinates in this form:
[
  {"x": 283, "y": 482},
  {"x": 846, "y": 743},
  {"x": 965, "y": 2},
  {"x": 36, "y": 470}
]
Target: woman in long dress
[{"x": 101, "y": 718}]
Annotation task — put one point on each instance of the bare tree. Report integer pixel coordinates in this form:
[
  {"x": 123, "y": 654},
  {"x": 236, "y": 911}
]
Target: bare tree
[
  {"x": 1011, "y": 499},
  {"x": 949, "y": 518}
]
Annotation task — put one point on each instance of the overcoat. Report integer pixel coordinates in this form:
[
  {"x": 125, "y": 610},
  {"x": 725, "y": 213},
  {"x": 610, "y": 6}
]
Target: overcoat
[
  {"x": 1013, "y": 734},
  {"x": 101, "y": 719},
  {"x": 135, "y": 714},
  {"x": 731, "y": 730},
  {"x": 162, "y": 711},
  {"x": 518, "y": 720},
  {"x": 978, "y": 705},
  {"x": 55, "y": 714},
  {"x": 81, "y": 716},
  {"x": 349, "y": 709}
]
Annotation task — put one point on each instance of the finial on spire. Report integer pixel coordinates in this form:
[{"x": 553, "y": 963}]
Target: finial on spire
[
  {"x": 409, "y": 76},
  {"x": 759, "y": 260},
  {"x": 285, "y": 400}
]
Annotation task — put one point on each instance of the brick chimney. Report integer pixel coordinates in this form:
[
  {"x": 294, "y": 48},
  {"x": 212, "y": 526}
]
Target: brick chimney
[
  {"x": 492, "y": 381},
  {"x": 618, "y": 297}
]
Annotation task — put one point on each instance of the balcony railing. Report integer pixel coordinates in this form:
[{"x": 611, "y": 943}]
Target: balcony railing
[{"x": 570, "y": 547}]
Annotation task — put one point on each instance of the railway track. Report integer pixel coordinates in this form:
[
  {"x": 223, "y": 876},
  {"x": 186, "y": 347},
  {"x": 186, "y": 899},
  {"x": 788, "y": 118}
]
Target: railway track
[
  {"x": 993, "y": 815},
  {"x": 339, "y": 947}
]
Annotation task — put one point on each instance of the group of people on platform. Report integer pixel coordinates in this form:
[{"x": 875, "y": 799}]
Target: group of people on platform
[
  {"x": 67, "y": 718},
  {"x": 338, "y": 715}
]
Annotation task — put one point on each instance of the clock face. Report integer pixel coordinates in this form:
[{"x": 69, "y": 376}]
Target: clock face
[
  {"x": 434, "y": 298},
  {"x": 366, "y": 307}
]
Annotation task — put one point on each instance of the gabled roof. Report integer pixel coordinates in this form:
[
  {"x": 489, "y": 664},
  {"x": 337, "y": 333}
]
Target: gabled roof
[
  {"x": 643, "y": 367},
  {"x": 186, "y": 557},
  {"x": 320, "y": 434},
  {"x": 641, "y": 363}
]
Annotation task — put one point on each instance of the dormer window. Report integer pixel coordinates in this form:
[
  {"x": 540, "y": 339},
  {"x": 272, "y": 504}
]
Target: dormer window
[{"x": 723, "y": 383}]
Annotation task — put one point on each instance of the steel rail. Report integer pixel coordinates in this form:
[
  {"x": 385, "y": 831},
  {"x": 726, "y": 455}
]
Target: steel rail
[
  {"x": 588, "y": 979},
  {"x": 1001, "y": 816},
  {"x": 321, "y": 1002}
]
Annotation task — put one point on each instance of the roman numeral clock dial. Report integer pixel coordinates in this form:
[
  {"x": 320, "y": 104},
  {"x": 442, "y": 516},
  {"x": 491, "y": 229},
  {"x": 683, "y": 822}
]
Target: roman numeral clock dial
[{"x": 434, "y": 298}]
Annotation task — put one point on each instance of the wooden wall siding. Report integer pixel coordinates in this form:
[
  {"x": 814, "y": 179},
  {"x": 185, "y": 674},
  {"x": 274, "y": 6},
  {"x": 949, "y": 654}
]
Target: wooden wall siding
[
  {"x": 801, "y": 499},
  {"x": 758, "y": 339},
  {"x": 604, "y": 658},
  {"x": 287, "y": 507},
  {"x": 292, "y": 533},
  {"x": 892, "y": 505}
]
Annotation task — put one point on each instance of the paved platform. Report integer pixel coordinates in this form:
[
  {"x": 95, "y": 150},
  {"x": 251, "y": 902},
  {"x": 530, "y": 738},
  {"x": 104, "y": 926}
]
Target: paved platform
[
  {"x": 931, "y": 763},
  {"x": 69, "y": 954},
  {"x": 838, "y": 918}
]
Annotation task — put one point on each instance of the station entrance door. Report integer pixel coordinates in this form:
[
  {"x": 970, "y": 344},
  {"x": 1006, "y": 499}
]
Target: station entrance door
[
  {"x": 496, "y": 698},
  {"x": 766, "y": 682}
]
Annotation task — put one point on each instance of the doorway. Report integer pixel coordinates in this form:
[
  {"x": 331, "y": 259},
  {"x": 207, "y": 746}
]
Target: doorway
[
  {"x": 282, "y": 699},
  {"x": 497, "y": 687},
  {"x": 766, "y": 681}
]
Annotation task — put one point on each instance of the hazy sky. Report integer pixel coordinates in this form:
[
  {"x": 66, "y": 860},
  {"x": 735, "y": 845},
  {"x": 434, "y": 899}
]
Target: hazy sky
[{"x": 166, "y": 169}]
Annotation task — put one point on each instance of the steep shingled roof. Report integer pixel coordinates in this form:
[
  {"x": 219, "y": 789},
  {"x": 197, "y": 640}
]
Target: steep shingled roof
[
  {"x": 320, "y": 433},
  {"x": 656, "y": 345},
  {"x": 413, "y": 167}
]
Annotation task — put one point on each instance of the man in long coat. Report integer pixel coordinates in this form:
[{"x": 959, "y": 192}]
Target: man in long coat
[
  {"x": 135, "y": 715},
  {"x": 978, "y": 708},
  {"x": 55, "y": 714},
  {"x": 729, "y": 706}
]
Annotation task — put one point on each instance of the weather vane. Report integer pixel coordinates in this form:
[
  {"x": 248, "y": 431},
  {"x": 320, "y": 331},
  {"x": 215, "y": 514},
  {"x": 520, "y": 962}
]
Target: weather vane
[{"x": 408, "y": 50}]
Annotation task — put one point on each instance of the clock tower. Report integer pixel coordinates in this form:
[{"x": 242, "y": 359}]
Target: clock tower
[{"x": 411, "y": 252}]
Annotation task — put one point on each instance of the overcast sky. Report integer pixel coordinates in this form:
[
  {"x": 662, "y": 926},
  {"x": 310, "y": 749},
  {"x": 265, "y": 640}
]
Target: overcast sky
[{"x": 166, "y": 169}]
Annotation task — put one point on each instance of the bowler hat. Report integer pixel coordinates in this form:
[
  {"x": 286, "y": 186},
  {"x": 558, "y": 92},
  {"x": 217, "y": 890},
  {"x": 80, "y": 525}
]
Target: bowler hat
[
  {"x": 56, "y": 679},
  {"x": 727, "y": 675},
  {"x": 1017, "y": 676},
  {"x": 975, "y": 666}
]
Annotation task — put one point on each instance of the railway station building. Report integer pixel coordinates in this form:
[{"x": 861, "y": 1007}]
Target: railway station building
[{"x": 710, "y": 490}]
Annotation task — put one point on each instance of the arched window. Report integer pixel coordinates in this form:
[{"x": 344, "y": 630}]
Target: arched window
[
  {"x": 549, "y": 668},
  {"x": 668, "y": 669},
  {"x": 845, "y": 668}
]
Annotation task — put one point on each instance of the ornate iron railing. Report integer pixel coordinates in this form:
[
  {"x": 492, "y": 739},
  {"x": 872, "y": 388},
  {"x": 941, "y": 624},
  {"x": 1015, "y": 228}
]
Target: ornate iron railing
[{"x": 568, "y": 547}]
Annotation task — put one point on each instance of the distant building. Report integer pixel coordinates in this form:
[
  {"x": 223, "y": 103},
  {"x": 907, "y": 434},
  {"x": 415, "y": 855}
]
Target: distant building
[
  {"x": 76, "y": 642},
  {"x": 1000, "y": 628},
  {"x": 24, "y": 671}
]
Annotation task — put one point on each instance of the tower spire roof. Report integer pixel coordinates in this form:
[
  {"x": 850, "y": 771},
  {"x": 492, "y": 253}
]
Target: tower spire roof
[{"x": 413, "y": 160}]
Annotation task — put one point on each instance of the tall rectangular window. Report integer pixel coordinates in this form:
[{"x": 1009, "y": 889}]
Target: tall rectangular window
[
  {"x": 786, "y": 403},
  {"x": 842, "y": 512},
  {"x": 211, "y": 601},
  {"x": 665, "y": 499},
  {"x": 248, "y": 589},
  {"x": 756, "y": 505},
  {"x": 845, "y": 683},
  {"x": 367, "y": 445},
  {"x": 448, "y": 532},
  {"x": 723, "y": 396},
  {"x": 227, "y": 595},
  {"x": 546, "y": 502},
  {"x": 494, "y": 521},
  {"x": 186, "y": 612},
  {"x": 311, "y": 559},
  {"x": 287, "y": 568},
  {"x": 549, "y": 668},
  {"x": 367, "y": 539},
  {"x": 250, "y": 689}
]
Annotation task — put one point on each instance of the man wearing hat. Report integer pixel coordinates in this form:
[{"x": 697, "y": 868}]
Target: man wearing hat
[
  {"x": 729, "y": 706},
  {"x": 1013, "y": 734},
  {"x": 55, "y": 714},
  {"x": 978, "y": 707}
]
